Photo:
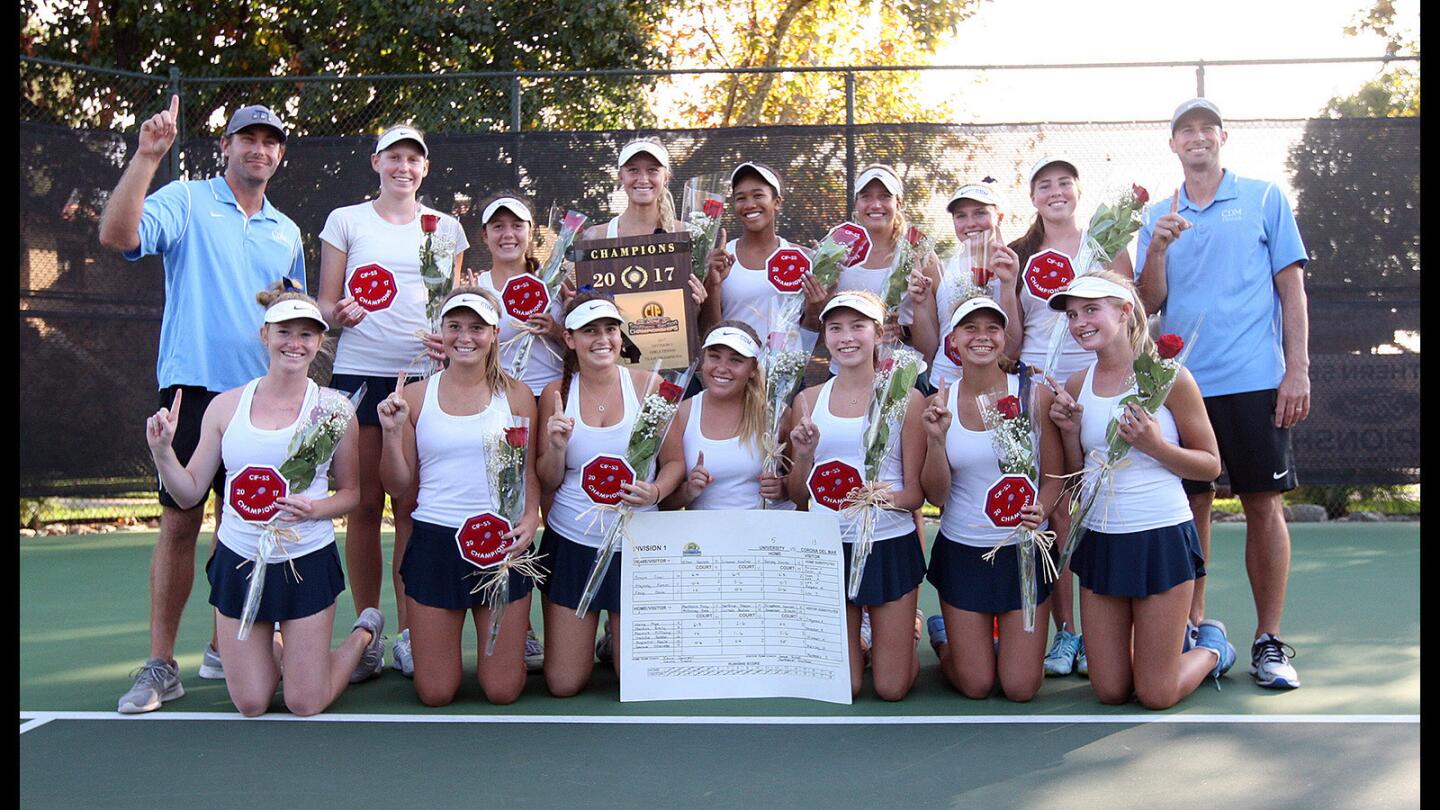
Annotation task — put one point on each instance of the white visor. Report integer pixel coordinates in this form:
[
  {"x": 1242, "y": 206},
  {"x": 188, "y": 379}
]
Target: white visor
[
  {"x": 1043, "y": 162},
  {"x": 592, "y": 310},
  {"x": 510, "y": 204},
  {"x": 1089, "y": 287},
  {"x": 398, "y": 134},
  {"x": 650, "y": 148},
  {"x": 976, "y": 192},
  {"x": 886, "y": 177},
  {"x": 475, "y": 304},
  {"x": 971, "y": 305},
  {"x": 293, "y": 308},
  {"x": 859, "y": 303},
  {"x": 765, "y": 174},
  {"x": 734, "y": 338}
]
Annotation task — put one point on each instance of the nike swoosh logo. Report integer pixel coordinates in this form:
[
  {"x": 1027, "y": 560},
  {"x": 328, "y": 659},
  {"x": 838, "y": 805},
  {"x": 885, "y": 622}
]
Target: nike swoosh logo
[{"x": 1281, "y": 474}]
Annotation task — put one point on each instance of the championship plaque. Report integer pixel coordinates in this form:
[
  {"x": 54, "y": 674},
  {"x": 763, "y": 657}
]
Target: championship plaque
[{"x": 649, "y": 276}]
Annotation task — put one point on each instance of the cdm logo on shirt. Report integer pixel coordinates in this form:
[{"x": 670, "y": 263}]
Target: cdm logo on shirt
[{"x": 1231, "y": 214}]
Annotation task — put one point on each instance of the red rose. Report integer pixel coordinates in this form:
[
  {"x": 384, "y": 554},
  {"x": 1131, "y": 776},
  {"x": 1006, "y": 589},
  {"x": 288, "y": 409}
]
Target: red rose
[
  {"x": 914, "y": 235},
  {"x": 671, "y": 392},
  {"x": 886, "y": 364},
  {"x": 573, "y": 220},
  {"x": 517, "y": 436},
  {"x": 1009, "y": 407},
  {"x": 429, "y": 222},
  {"x": 1141, "y": 195},
  {"x": 1167, "y": 346},
  {"x": 713, "y": 208}
]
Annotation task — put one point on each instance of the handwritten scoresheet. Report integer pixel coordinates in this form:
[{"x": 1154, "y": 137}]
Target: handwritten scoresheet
[{"x": 721, "y": 604}]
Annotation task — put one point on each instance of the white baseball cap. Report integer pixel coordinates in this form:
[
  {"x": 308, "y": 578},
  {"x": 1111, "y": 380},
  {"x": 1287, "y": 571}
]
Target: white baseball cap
[
  {"x": 886, "y": 177},
  {"x": 765, "y": 172},
  {"x": 1195, "y": 104},
  {"x": 1089, "y": 287},
  {"x": 514, "y": 206},
  {"x": 474, "y": 303},
  {"x": 734, "y": 338},
  {"x": 293, "y": 308},
  {"x": 394, "y": 135},
  {"x": 976, "y": 192},
  {"x": 650, "y": 148},
  {"x": 862, "y": 304},
  {"x": 1050, "y": 160},
  {"x": 592, "y": 310},
  {"x": 972, "y": 305}
]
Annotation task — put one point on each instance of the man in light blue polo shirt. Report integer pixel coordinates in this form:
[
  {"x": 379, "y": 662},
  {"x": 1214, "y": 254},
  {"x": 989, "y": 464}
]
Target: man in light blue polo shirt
[
  {"x": 222, "y": 243},
  {"x": 1228, "y": 249}
]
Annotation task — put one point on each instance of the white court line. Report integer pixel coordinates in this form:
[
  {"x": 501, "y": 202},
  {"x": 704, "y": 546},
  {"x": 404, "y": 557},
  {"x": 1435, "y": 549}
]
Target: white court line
[
  {"x": 758, "y": 720},
  {"x": 34, "y": 723}
]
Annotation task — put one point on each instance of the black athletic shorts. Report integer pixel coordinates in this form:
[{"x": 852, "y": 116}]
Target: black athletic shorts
[
  {"x": 1254, "y": 453},
  {"x": 187, "y": 432}
]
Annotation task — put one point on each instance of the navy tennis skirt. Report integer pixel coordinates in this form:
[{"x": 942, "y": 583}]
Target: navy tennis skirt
[
  {"x": 570, "y": 563},
  {"x": 967, "y": 581},
  {"x": 435, "y": 574},
  {"x": 1138, "y": 564},
  {"x": 283, "y": 598},
  {"x": 894, "y": 568}
]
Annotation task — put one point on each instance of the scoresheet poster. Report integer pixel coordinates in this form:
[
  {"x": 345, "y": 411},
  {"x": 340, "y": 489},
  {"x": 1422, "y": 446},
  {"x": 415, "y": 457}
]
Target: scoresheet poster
[{"x": 720, "y": 604}]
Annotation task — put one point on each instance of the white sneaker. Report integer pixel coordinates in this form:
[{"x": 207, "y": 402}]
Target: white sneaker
[
  {"x": 1270, "y": 663},
  {"x": 534, "y": 652},
  {"x": 400, "y": 658},
  {"x": 211, "y": 669}
]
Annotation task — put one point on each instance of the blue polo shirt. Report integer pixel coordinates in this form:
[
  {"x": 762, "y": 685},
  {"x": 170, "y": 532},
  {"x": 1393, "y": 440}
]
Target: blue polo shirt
[
  {"x": 1224, "y": 266},
  {"x": 216, "y": 260}
]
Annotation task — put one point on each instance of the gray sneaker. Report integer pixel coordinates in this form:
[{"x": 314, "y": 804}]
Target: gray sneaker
[
  {"x": 372, "y": 661},
  {"x": 156, "y": 682},
  {"x": 400, "y": 658},
  {"x": 210, "y": 667},
  {"x": 534, "y": 653}
]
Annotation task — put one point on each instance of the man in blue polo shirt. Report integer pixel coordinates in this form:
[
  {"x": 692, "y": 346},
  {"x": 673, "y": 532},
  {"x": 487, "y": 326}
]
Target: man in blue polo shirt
[
  {"x": 222, "y": 242},
  {"x": 1228, "y": 249}
]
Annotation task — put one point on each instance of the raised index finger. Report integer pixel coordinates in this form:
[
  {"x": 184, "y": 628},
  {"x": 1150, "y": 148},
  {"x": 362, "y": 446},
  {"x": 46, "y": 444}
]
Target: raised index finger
[
  {"x": 175, "y": 104},
  {"x": 400, "y": 382},
  {"x": 1175, "y": 202},
  {"x": 175, "y": 405}
]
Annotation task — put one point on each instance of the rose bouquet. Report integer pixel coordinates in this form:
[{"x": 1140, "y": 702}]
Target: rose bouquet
[
  {"x": 846, "y": 245},
  {"x": 701, "y": 213},
  {"x": 551, "y": 275},
  {"x": 894, "y": 378},
  {"x": 437, "y": 271},
  {"x": 1154, "y": 374},
  {"x": 505, "y": 454},
  {"x": 657, "y": 411},
  {"x": 311, "y": 447},
  {"x": 783, "y": 360},
  {"x": 1010, "y": 420},
  {"x": 913, "y": 249}
]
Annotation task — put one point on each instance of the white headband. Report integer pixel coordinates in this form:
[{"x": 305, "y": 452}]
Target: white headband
[
  {"x": 651, "y": 148},
  {"x": 476, "y": 304},
  {"x": 886, "y": 177},
  {"x": 1045, "y": 162},
  {"x": 1089, "y": 287},
  {"x": 765, "y": 175},
  {"x": 734, "y": 338},
  {"x": 511, "y": 204},
  {"x": 972, "y": 191},
  {"x": 590, "y": 311},
  {"x": 293, "y": 308},
  {"x": 972, "y": 304},
  {"x": 859, "y": 303},
  {"x": 398, "y": 134}
]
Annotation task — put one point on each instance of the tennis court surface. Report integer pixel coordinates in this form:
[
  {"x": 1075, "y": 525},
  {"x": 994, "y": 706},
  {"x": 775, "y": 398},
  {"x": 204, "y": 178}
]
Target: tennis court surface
[{"x": 1349, "y": 737}]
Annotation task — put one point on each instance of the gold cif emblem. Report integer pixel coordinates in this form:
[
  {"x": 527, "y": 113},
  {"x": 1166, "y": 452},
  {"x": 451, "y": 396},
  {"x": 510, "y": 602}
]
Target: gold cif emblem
[
  {"x": 652, "y": 310},
  {"x": 633, "y": 277}
]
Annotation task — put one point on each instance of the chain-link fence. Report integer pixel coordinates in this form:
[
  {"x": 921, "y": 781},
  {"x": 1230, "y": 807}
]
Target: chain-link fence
[{"x": 89, "y": 321}]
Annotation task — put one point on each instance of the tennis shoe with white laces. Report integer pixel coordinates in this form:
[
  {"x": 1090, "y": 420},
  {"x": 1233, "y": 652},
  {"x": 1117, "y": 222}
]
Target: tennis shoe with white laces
[{"x": 1270, "y": 663}]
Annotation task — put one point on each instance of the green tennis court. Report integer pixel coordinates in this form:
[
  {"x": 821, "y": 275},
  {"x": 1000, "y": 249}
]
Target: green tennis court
[{"x": 1349, "y": 737}]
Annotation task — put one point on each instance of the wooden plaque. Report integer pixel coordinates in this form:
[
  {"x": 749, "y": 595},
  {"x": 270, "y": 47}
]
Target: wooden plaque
[{"x": 650, "y": 277}]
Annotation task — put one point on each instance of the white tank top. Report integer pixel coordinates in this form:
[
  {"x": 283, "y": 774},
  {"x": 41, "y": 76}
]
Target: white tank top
[
  {"x": 840, "y": 438},
  {"x": 571, "y": 514},
  {"x": 546, "y": 361},
  {"x": 1039, "y": 325},
  {"x": 943, "y": 368},
  {"x": 973, "y": 470},
  {"x": 451, "y": 453},
  {"x": 747, "y": 293},
  {"x": 873, "y": 279},
  {"x": 249, "y": 490},
  {"x": 734, "y": 465},
  {"x": 1143, "y": 494}
]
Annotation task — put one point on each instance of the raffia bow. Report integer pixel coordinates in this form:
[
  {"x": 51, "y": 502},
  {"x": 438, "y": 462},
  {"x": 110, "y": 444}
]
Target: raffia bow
[
  {"x": 1044, "y": 541},
  {"x": 490, "y": 581},
  {"x": 279, "y": 536},
  {"x": 865, "y": 496},
  {"x": 596, "y": 513}
]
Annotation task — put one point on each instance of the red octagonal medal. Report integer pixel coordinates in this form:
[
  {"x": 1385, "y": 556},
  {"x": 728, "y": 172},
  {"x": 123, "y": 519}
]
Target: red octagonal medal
[
  {"x": 831, "y": 481},
  {"x": 950, "y": 351},
  {"x": 786, "y": 268},
  {"x": 1047, "y": 273},
  {"x": 525, "y": 295},
  {"x": 252, "y": 493},
  {"x": 855, "y": 240},
  {"x": 601, "y": 477},
  {"x": 372, "y": 287},
  {"x": 481, "y": 539},
  {"x": 1006, "y": 497}
]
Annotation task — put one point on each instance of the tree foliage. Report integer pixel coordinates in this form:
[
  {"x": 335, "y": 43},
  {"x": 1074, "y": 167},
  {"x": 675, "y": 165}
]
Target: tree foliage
[{"x": 824, "y": 33}]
